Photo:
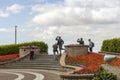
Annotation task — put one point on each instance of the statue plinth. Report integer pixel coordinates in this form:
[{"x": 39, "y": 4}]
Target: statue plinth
[
  {"x": 76, "y": 49},
  {"x": 26, "y": 49}
]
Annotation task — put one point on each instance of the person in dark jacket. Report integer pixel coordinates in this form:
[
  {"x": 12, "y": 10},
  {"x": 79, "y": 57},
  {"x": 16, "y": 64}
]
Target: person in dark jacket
[
  {"x": 60, "y": 43},
  {"x": 31, "y": 52}
]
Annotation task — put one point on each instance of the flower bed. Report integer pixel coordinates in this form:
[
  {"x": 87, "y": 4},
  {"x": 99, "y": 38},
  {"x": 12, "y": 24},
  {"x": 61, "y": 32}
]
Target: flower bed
[
  {"x": 91, "y": 62},
  {"x": 8, "y": 57}
]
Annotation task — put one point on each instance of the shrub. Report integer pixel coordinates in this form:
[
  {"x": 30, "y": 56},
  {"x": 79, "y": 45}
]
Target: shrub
[
  {"x": 14, "y": 48},
  {"x": 104, "y": 75},
  {"x": 111, "y": 45}
]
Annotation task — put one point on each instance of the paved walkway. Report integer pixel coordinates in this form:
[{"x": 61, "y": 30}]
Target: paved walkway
[{"x": 28, "y": 74}]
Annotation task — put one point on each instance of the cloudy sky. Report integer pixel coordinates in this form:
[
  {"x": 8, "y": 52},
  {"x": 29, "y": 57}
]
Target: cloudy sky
[{"x": 43, "y": 20}]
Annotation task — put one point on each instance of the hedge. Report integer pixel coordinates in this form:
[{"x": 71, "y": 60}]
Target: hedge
[
  {"x": 14, "y": 48},
  {"x": 111, "y": 45}
]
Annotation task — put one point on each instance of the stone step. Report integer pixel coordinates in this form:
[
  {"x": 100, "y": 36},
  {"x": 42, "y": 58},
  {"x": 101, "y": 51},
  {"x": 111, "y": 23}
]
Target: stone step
[
  {"x": 46, "y": 56},
  {"x": 41, "y": 58},
  {"x": 56, "y": 69},
  {"x": 35, "y": 64},
  {"x": 40, "y": 66},
  {"x": 40, "y": 62}
]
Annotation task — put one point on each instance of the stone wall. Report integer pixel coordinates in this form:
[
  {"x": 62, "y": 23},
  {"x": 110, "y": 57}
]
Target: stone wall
[
  {"x": 26, "y": 49},
  {"x": 76, "y": 49}
]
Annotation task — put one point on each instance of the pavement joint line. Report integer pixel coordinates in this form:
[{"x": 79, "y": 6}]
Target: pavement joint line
[{"x": 20, "y": 76}]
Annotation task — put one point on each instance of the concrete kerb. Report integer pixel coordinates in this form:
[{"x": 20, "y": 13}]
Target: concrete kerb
[{"x": 64, "y": 65}]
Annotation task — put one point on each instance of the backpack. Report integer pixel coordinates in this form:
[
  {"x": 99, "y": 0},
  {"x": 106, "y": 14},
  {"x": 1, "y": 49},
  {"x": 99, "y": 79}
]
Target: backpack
[{"x": 92, "y": 44}]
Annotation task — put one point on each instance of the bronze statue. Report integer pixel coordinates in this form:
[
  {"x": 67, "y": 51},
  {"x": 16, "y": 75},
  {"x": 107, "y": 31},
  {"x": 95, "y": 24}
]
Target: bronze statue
[
  {"x": 60, "y": 43},
  {"x": 55, "y": 49},
  {"x": 80, "y": 41}
]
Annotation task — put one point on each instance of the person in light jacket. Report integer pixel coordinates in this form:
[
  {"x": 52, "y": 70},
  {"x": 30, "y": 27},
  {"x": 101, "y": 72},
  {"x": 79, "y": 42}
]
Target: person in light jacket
[{"x": 91, "y": 45}]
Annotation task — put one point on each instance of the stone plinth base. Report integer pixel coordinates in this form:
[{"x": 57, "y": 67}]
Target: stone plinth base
[
  {"x": 26, "y": 49},
  {"x": 76, "y": 49}
]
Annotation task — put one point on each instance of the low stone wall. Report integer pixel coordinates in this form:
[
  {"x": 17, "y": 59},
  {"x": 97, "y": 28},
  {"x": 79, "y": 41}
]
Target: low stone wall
[
  {"x": 76, "y": 49},
  {"x": 111, "y": 53},
  {"x": 26, "y": 49},
  {"x": 112, "y": 69}
]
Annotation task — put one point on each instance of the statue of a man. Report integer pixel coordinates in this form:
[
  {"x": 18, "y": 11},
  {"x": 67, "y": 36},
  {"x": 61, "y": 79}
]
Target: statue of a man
[
  {"x": 55, "y": 49},
  {"x": 80, "y": 41},
  {"x": 60, "y": 43}
]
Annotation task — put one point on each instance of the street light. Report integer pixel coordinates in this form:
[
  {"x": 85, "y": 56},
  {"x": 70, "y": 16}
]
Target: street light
[{"x": 15, "y": 34}]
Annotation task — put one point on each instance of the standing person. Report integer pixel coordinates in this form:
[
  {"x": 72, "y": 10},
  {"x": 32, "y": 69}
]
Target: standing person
[
  {"x": 60, "y": 43},
  {"x": 55, "y": 49},
  {"x": 91, "y": 45},
  {"x": 31, "y": 52}
]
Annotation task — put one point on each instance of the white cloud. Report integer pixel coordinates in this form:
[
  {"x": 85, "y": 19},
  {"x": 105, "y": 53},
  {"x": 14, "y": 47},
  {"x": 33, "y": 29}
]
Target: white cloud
[
  {"x": 6, "y": 30},
  {"x": 95, "y": 19},
  {"x": 38, "y": 8},
  {"x": 77, "y": 15},
  {"x": 92, "y": 3},
  {"x": 15, "y": 8},
  {"x": 3, "y": 14},
  {"x": 44, "y": 34},
  {"x": 61, "y": 16},
  {"x": 106, "y": 15}
]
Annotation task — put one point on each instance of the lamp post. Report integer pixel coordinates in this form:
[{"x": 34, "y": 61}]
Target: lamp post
[{"x": 15, "y": 34}]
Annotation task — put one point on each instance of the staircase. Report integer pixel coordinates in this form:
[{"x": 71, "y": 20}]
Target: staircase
[{"x": 46, "y": 62}]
